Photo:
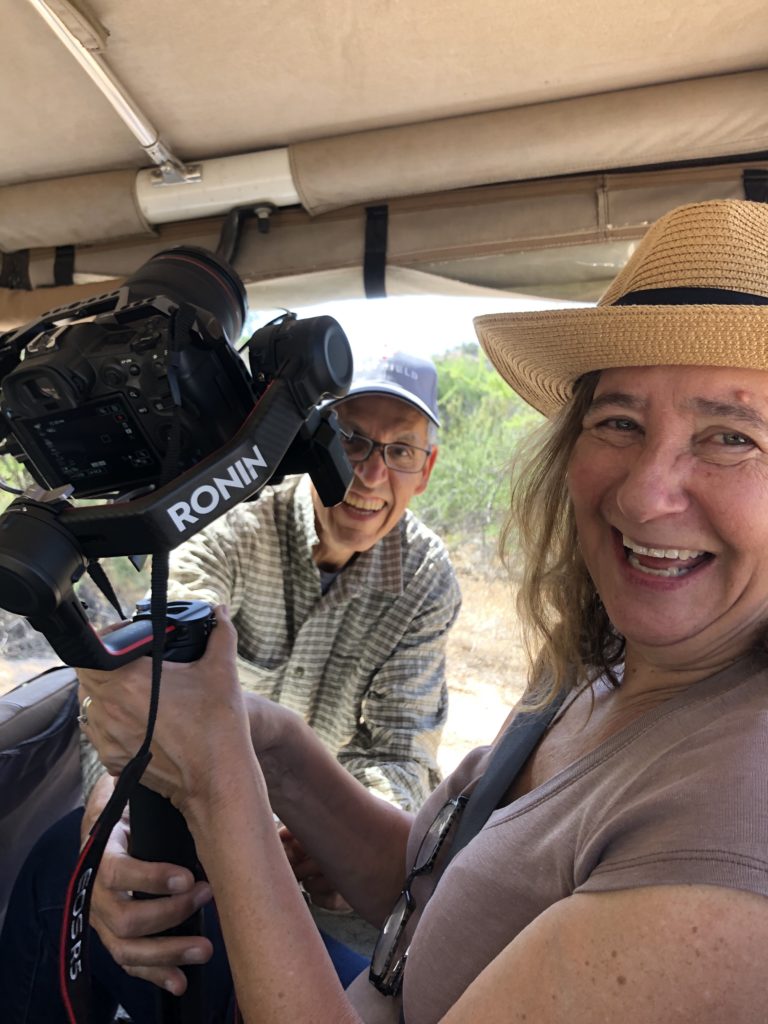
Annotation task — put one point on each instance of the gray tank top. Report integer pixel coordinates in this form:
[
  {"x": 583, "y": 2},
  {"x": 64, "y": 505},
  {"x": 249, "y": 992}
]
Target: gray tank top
[{"x": 678, "y": 796}]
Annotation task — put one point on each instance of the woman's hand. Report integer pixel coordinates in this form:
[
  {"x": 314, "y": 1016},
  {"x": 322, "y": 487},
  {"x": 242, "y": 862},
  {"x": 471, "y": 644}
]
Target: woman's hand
[{"x": 202, "y": 727}]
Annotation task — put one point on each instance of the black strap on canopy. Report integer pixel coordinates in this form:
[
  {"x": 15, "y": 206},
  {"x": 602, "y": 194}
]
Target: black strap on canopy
[
  {"x": 755, "y": 182},
  {"x": 14, "y": 270},
  {"x": 375, "y": 259},
  {"x": 64, "y": 265}
]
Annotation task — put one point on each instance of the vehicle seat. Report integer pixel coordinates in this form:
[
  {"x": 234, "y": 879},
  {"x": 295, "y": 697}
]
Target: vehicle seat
[{"x": 40, "y": 778}]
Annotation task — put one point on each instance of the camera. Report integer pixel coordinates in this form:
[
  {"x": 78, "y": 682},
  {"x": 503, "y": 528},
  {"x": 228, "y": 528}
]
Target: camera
[
  {"x": 140, "y": 398},
  {"x": 92, "y": 404}
]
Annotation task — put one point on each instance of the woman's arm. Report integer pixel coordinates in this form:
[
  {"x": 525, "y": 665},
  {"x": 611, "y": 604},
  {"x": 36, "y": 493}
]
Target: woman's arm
[
  {"x": 279, "y": 964},
  {"x": 204, "y": 761},
  {"x": 671, "y": 953},
  {"x": 357, "y": 840},
  {"x": 678, "y": 954}
]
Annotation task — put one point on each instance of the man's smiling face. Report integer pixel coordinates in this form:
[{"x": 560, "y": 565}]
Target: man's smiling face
[
  {"x": 669, "y": 484},
  {"x": 378, "y": 496}
]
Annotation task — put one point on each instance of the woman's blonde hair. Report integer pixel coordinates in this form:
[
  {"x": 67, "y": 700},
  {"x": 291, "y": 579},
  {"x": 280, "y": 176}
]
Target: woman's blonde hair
[{"x": 567, "y": 633}]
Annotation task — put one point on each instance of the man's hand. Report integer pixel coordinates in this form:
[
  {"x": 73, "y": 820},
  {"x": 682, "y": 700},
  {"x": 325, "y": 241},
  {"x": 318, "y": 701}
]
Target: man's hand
[
  {"x": 128, "y": 927},
  {"x": 309, "y": 874}
]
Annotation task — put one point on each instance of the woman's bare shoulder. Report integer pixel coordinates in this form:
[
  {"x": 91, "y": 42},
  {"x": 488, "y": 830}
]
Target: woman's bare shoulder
[{"x": 660, "y": 953}]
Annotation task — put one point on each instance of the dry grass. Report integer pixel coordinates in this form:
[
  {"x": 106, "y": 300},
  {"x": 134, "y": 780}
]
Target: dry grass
[{"x": 486, "y": 664}]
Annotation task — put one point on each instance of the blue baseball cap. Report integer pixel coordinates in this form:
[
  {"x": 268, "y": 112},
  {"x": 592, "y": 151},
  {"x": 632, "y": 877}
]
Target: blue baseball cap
[{"x": 409, "y": 378}]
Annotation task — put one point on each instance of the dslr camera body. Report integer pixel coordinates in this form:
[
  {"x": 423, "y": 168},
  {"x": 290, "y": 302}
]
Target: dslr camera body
[{"x": 139, "y": 397}]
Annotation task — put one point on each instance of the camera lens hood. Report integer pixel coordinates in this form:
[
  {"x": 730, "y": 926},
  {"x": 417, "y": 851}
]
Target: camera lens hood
[{"x": 193, "y": 275}]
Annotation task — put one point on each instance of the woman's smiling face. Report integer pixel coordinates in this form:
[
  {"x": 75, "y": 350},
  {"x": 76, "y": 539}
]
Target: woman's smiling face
[{"x": 669, "y": 484}]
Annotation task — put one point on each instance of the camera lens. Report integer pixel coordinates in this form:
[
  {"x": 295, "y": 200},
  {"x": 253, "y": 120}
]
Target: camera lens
[{"x": 198, "y": 277}]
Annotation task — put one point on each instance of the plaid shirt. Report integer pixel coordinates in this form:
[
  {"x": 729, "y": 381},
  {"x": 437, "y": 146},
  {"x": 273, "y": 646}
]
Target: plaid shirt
[{"x": 364, "y": 663}]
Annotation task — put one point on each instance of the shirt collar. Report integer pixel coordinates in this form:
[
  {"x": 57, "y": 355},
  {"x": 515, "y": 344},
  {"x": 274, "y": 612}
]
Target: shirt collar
[{"x": 381, "y": 567}]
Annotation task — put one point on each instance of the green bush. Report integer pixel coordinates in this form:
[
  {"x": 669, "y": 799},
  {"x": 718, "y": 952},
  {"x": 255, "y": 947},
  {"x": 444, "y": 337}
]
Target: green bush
[
  {"x": 12, "y": 474},
  {"x": 482, "y": 421}
]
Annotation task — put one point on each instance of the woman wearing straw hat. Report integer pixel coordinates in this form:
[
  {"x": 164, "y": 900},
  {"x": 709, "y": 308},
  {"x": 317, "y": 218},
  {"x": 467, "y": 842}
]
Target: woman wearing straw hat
[{"x": 607, "y": 857}]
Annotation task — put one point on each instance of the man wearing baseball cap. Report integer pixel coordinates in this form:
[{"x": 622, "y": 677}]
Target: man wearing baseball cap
[{"x": 389, "y": 421}]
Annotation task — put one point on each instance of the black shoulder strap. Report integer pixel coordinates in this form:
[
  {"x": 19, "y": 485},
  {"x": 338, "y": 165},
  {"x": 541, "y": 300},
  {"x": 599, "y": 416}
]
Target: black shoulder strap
[{"x": 513, "y": 750}]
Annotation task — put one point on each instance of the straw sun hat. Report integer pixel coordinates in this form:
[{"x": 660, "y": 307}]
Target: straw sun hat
[{"x": 694, "y": 292}]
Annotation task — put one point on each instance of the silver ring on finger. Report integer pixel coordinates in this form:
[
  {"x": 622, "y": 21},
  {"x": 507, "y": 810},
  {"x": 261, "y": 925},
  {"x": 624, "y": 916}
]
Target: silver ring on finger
[{"x": 82, "y": 718}]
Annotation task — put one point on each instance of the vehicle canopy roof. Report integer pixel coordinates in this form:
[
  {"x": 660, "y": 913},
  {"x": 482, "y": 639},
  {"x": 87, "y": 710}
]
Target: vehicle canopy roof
[{"x": 507, "y": 145}]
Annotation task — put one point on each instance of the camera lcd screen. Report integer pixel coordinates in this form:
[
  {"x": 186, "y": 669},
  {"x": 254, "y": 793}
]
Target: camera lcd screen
[{"x": 98, "y": 447}]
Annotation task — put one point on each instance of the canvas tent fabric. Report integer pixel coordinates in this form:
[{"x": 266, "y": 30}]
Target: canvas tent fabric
[
  {"x": 627, "y": 128},
  {"x": 564, "y": 238},
  {"x": 488, "y": 130}
]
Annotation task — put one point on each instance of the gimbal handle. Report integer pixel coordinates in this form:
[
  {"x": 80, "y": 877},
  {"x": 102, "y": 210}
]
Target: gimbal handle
[{"x": 158, "y": 831}]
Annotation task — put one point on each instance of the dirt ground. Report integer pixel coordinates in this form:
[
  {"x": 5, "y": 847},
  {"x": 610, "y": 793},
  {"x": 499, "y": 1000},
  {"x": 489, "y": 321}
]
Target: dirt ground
[{"x": 484, "y": 664}]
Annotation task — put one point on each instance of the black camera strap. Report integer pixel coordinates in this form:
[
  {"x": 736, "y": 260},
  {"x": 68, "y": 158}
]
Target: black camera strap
[
  {"x": 73, "y": 960},
  {"x": 74, "y": 972}
]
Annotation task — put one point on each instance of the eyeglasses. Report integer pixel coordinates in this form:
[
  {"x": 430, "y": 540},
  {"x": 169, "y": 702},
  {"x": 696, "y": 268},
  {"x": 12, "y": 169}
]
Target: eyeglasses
[
  {"x": 404, "y": 458},
  {"x": 390, "y": 952}
]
